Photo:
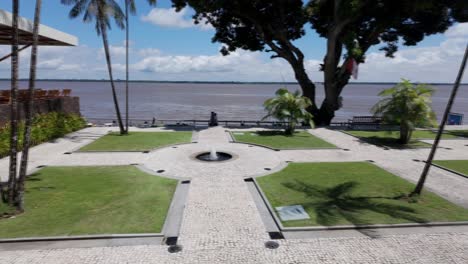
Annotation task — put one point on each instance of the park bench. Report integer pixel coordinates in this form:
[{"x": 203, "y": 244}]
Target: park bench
[{"x": 366, "y": 122}]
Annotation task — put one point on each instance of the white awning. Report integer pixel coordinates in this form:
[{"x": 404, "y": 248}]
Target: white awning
[{"x": 47, "y": 35}]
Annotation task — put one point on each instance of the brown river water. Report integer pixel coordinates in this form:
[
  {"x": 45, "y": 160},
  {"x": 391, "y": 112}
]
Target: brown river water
[{"x": 230, "y": 101}]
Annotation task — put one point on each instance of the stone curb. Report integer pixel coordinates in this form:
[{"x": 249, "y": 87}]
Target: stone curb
[
  {"x": 82, "y": 237},
  {"x": 376, "y": 226}
]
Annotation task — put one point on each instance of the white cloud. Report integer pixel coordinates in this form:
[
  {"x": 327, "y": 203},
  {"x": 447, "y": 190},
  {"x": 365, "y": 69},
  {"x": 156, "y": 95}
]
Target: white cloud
[
  {"x": 459, "y": 30},
  {"x": 170, "y": 18},
  {"x": 437, "y": 63},
  {"x": 149, "y": 52},
  {"x": 421, "y": 64}
]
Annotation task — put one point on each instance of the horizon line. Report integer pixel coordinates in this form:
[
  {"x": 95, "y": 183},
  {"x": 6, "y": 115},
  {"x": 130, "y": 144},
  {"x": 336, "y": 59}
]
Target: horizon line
[{"x": 219, "y": 82}]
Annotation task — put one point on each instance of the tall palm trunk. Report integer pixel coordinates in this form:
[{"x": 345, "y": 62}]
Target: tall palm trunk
[
  {"x": 14, "y": 105},
  {"x": 29, "y": 108},
  {"x": 422, "y": 179},
  {"x": 109, "y": 68},
  {"x": 126, "y": 64}
]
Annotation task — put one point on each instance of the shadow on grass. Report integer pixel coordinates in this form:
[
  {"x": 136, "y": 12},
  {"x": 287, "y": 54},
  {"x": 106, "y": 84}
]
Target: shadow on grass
[
  {"x": 334, "y": 203},
  {"x": 276, "y": 133},
  {"x": 393, "y": 143}
]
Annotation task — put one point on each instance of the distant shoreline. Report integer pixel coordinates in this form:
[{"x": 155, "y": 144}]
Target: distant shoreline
[{"x": 206, "y": 82}]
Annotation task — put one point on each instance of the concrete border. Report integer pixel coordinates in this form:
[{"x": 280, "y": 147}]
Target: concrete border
[
  {"x": 173, "y": 222},
  {"x": 278, "y": 149}
]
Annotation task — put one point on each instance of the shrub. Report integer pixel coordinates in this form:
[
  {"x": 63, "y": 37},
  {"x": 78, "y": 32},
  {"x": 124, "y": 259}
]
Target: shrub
[{"x": 45, "y": 127}]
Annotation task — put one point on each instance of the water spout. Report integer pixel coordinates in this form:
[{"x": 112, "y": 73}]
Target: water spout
[{"x": 213, "y": 154}]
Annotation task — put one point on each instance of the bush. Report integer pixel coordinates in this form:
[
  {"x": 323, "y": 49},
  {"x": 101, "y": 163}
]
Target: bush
[{"x": 45, "y": 127}]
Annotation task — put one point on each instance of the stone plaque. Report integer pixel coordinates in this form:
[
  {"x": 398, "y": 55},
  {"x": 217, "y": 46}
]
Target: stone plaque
[{"x": 293, "y": 212}]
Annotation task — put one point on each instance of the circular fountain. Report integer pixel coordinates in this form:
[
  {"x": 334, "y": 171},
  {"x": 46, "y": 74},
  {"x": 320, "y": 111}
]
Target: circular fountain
[{"x": 213, "y": 156}]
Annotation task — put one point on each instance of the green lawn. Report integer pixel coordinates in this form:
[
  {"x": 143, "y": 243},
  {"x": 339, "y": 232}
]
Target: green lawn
[
  {"x": 457, "y": 133},
  {"x": 353, "y": 193},
  {"x": 137, "y": 141},
  {"x": 460, "y": 166},
  {"x": 390, "y": 138},
  {"x": 64, "y": 201},
  {"x": 278, "y": 140}
]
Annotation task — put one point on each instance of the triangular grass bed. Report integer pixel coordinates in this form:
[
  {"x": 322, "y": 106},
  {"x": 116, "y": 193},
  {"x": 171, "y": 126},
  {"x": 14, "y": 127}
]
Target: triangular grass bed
[
  {"x": 138, "y": 141},
  {"x": 63, "y": 201},
  {"x": 278, "y": 140}
]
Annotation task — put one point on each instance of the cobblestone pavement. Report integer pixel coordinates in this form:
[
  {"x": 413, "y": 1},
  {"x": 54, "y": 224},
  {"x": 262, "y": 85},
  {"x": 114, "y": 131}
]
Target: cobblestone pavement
[
  {"x": 411, "y": 249},
  {"x": 221, "y": 223}
]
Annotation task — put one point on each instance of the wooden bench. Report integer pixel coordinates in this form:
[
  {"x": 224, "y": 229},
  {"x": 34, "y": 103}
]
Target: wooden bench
[{"x": 365, "y": 122}]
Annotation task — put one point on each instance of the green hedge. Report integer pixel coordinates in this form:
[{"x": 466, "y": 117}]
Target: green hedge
[{"x": 45, "y": 128}]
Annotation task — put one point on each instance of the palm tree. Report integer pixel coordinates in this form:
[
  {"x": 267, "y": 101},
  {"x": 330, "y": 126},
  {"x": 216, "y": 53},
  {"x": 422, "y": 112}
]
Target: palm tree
[
  {"x": 129, "y": 8},
  {"x": 101, "y": 11},
  {"x": 408, "y": 106},
  {"x": 29, "y": 112},
  {"x": 289, "y": 107},
  {"x": 14, "y": 105},
  {"x": 418, "y": 189}
]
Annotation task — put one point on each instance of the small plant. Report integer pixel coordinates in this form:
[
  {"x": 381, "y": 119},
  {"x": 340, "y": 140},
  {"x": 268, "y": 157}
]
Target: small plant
[
  {"x": 408, "y": 106},
  {"x": 289, "y": 107}
]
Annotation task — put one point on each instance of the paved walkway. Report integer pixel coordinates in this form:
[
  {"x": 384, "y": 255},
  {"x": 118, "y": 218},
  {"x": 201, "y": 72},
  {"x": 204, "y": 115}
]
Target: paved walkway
[{"x": 221, "y": 223}]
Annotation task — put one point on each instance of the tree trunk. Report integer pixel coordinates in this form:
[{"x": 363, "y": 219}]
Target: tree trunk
[
  {"x": 422, "y": 179},
  {"x": 126, "y": 65},
  {"x": 109, "y": 68},
  {"x": 29, "y": 106},
  {"x": 405, "y": 134},
  {"x": 14, "y": 106},
  {"x": 331, "y": 103},
  {"x": 307, "y": 86}
]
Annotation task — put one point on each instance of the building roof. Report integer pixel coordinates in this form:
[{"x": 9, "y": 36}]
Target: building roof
[{"x": 47, "y": 35}]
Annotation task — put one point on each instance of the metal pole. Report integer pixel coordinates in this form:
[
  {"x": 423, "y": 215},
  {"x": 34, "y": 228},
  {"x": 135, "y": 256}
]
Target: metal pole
[{"x": 422, "y": 179}]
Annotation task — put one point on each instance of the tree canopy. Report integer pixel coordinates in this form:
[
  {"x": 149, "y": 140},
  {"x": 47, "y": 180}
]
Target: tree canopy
[{"x": 351, "y": 27}]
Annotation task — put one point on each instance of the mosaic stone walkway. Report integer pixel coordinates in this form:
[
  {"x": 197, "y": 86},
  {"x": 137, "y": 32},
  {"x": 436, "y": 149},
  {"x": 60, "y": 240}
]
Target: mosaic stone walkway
[{"x": 221, "y": 223}]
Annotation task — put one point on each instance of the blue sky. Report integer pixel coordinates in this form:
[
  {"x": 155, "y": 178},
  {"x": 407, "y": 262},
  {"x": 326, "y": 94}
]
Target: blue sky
[{"x": 167, "y": 46}]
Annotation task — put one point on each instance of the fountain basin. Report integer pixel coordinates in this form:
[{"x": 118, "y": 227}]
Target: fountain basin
[{"x": 209, "y": 157}]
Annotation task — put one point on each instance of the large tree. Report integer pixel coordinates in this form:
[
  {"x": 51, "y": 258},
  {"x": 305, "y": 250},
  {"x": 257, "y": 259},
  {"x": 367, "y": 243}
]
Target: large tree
[
  {"x": 258, "y": 25},
  {"x": 101, "y": 11},
  {"x": 351, "y": 29}
]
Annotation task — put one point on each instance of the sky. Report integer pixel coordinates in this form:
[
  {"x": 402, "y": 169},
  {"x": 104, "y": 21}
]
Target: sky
[{"x": 168, "y": 46}]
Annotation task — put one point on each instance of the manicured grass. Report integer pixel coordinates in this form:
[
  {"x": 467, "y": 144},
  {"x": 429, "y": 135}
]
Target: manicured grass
[
  {"x": 460, "y": 166},
  {"x": 390, "y": 138},
  {"x": 278, "y": 140},
  {"x": 353, "y": 193},
  {"x": 457, "y": 133},
  {"x": 137, "y": 141},
  {"x": 64, "y": 201}
]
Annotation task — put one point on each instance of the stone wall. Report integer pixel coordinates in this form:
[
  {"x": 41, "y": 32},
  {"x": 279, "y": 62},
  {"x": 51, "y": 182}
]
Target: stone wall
[{"x": 68, "y": 105}]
